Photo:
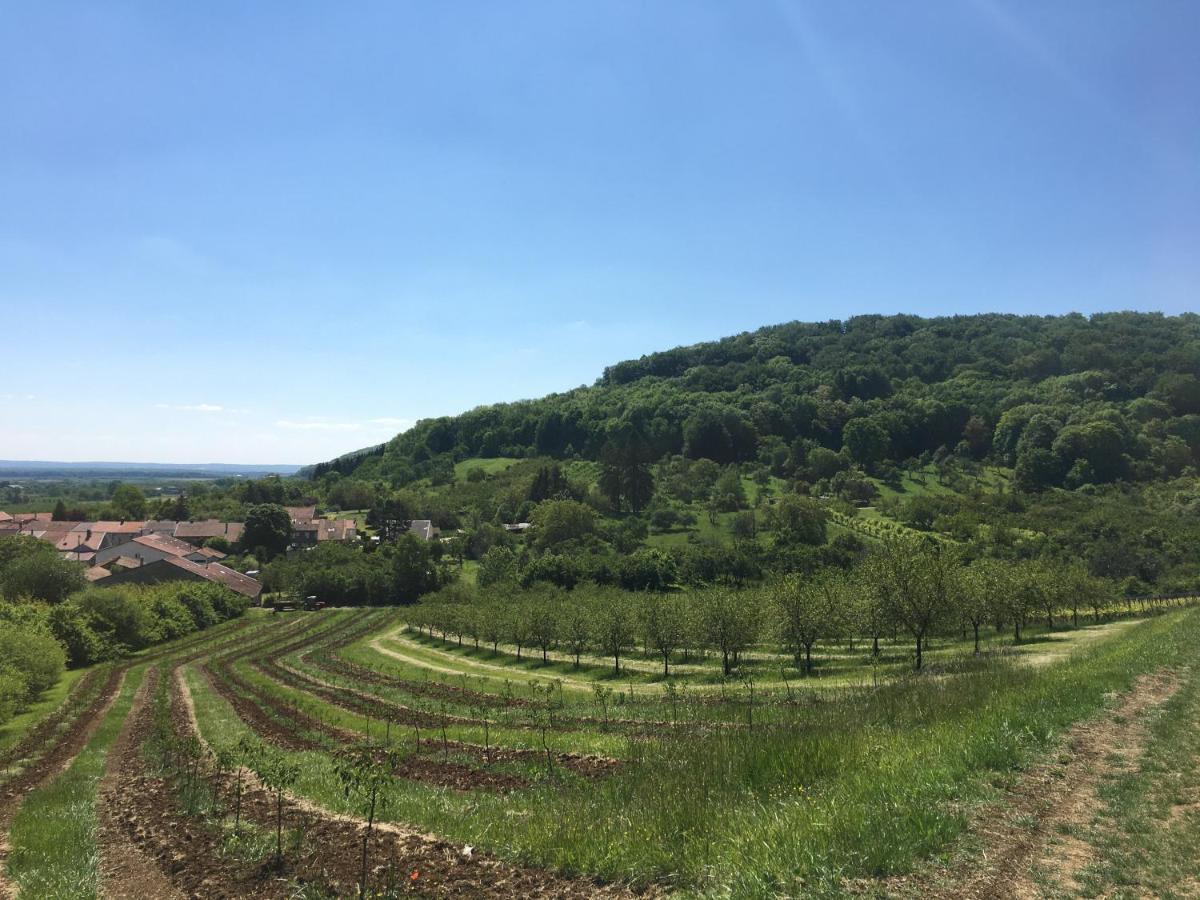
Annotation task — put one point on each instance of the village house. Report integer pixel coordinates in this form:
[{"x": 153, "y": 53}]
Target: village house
[
  {"x": 121, "y": 532},
  {"x": 305, "y": 533},
  {"x": 148, "y": 548},
  {"x": 199, "y": 532},
  {"x": 310, "y": 532},
  {"x": 337, "y": 530},
  {"x": 82, "y": 546}
]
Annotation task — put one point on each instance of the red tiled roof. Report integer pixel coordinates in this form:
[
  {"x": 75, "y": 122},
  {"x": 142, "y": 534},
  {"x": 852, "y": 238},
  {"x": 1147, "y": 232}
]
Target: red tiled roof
[
  {"x": 25, "y": 518},
  {"x": 336, "y": 530},
  {"x": 5, "y": 517},
  {"x": 212, "y": 553},
  {"x": 74, "y": 541},
  {"x": 126, "y": 527},
  {"x": 95, "y": 573},
  {"x": 165, "y": 543},
  {"x": 219, "y": 574},
  {"x": 301, "y": 513},
  {"x": 209, "y": 528}
]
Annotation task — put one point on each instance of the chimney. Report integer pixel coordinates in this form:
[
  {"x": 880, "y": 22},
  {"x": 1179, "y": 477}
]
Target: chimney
[{"x": 88, "y": 535}]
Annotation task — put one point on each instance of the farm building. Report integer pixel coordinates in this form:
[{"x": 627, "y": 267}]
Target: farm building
[
  {"x": 424, "y": 529},
  {"x": 176, "y": 568}
]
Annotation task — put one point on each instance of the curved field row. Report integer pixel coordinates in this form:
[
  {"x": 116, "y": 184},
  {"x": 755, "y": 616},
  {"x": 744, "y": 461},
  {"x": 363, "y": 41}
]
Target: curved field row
[
  {"x": 747, "y": 794},
  {"x": 401, "y": 653},
  {"x": 175, "y": 808},
  {"x": 58, "y": 777},
  {"x": 301, "y": 710}
]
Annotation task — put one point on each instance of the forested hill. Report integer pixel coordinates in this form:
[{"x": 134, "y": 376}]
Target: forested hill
[{"x": 1067, "y": 401}]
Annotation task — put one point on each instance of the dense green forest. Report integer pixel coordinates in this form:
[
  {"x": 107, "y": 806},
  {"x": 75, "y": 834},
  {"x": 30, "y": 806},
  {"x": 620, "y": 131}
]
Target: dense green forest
[
  {"x": 795, "y": 446},
  {"x": 1067, "y": 400}
]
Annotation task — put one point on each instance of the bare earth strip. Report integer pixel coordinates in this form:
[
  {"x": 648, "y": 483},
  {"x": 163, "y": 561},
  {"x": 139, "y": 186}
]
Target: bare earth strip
[
  {"x": 126, "y": 873},
  {"x": 1049, "y": 799},
  {"x": 454, "y": 871},
  {"x": 52, "y": 764}
]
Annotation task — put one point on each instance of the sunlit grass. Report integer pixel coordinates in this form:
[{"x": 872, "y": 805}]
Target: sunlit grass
[
  {"x": 53, "y": 837},
  {"x": 859, "y": 782}
]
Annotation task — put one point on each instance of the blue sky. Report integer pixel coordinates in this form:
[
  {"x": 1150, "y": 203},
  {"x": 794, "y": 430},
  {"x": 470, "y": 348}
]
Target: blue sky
[{"x": 273, "y": 232}]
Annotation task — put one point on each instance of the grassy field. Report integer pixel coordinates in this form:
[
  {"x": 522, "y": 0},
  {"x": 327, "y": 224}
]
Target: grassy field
[
  {"x": 490, "y": 464},
  {"x": 699, "y": 786},
  {"x": 733, "y": 799}
]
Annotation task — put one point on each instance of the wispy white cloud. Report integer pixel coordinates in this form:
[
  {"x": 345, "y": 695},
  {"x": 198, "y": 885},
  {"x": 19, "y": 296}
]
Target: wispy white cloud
[
  {"x": 18, "y": 397},
  {"x": 321, "y": 423},
  {"x": 194, "y": 407},
  {"x": 317, "y": 425}
]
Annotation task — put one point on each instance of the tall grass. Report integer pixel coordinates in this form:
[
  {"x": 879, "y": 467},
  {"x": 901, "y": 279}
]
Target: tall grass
[
  {"x": 53, "y": 837},
  {"x": 853, "y": 783}
]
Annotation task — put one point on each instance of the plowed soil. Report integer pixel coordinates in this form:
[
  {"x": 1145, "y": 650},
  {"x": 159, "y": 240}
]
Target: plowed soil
[
  {"x": 52, "y": 762},
  {"x": 126, "y": 873},
  {"x": 188, "y": 851}
]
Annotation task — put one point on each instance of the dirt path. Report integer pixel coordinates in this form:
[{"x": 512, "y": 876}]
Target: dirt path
[
  {"x": 1025, "y": 839},
  {"x": 468, "y": 665},
  {"x": 126, "y": 873},
  {"x": 56, "y": 760}
]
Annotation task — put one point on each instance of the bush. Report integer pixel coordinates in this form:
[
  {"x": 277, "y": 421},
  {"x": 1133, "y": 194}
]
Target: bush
[
  {"x": 71, "y": 628},
  {"x": 32, "y": 568},
  {"x": 13, "y": 691},
  {"x": 31, "y": 661}
]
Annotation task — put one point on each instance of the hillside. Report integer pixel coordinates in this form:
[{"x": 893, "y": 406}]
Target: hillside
[
  {"x": 1030, "y": 437},
  {"x": 1066, "y": 400}
]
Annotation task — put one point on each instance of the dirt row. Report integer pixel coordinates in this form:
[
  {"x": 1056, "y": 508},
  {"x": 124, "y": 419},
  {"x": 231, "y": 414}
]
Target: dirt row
[
  {"x": 126, "y": 873},
  {"x": 51, "y": 763},
  {"x": 290, "y": 728},
  {"x": 189, "y": 853},
  {"x": 79, "y": 696},
  {"x": 1025, "y": 837}
]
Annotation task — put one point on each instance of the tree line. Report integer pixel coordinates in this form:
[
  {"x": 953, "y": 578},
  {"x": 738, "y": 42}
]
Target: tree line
[{"x": 914, "y": 588}]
